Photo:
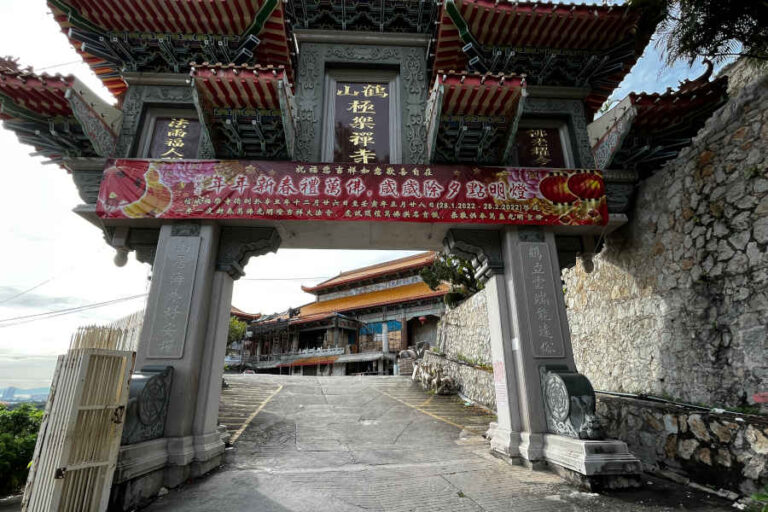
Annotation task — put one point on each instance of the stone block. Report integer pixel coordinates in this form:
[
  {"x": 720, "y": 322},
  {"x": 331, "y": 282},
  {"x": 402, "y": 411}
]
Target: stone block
[
  {"x": 698, "y": 427},
  {"x": 758, "y": 442}
]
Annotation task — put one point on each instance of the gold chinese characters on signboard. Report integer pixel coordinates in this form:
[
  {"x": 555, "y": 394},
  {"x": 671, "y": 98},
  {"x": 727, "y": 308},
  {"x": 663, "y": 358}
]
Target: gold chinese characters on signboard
[
  {"x": 175, "y": 138},
  {"x": 361, "y": 131},
  {"x": 540, "y": 147}
]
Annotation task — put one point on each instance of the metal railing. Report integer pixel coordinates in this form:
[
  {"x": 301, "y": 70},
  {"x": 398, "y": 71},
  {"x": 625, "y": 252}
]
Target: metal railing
[{"x": 307, "y": 352}]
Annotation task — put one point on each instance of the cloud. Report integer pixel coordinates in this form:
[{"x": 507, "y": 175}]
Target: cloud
[{"x": 36, "y": 300}]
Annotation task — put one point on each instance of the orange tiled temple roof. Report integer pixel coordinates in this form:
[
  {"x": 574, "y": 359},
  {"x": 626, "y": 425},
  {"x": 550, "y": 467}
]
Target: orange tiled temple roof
[
  {"x": 405, "y": 293},
  {"x": 380, "y": 269}
]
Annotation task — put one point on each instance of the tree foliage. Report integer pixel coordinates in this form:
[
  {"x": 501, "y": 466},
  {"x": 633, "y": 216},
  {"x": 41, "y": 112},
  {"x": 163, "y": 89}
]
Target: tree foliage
[
  {"x": 236, "y": 330},
  {"x": 713, "y": 29},
  {"x": 18, "y": 434},
  {"x": 455, "y": 271}
]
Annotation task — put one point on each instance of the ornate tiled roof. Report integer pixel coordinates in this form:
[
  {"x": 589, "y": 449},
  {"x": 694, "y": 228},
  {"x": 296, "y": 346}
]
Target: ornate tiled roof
[
  {"x": 243, "y": 315},
  {"x": 646, "y": 129},
  {"x": 57, "y": 115},
  {"x": 472, "y": 117},
  {"x": 407, "y": 293},
  {"x": 117, "y": 35},
  {"x": 553, "y": 43},
  {"x": 374, "y": 271}
]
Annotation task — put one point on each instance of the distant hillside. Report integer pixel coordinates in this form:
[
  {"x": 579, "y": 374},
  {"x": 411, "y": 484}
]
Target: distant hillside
[{"x": 33, "y": 391}]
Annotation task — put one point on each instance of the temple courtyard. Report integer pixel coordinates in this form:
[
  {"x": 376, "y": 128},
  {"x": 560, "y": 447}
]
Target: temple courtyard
[{"x": 382, "y": 444}]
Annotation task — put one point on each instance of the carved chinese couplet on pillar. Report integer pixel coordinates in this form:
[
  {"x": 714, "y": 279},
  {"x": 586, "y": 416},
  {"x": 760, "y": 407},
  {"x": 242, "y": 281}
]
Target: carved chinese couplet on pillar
[
  {"x": 177, "y": 274},
  {"x": 543, "y": 318}
]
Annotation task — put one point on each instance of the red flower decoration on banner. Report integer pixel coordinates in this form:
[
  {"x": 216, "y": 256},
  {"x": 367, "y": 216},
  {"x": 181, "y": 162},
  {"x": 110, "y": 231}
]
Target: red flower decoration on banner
[
  {"x": 555, "y": 188},
  {"x": 586, "y": 185}
]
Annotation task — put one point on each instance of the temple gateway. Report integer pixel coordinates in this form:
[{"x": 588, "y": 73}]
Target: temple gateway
[{"x": 465, "y": 125}]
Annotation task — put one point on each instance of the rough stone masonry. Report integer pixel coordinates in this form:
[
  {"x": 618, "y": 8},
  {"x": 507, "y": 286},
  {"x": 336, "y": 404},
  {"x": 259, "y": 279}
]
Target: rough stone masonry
[{"x": 677, "y": 303}]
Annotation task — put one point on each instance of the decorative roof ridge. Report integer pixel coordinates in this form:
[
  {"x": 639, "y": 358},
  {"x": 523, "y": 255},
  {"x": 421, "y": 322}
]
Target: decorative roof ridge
[
  {"x": 475, "y": 74},
  {"x": 686, "y": 87},
  {"x": 327, "y": 283},
  {"x": 233, "y": 66},
  {"x": 29, "y": 73},
  {"x": 542, "y": 6}
]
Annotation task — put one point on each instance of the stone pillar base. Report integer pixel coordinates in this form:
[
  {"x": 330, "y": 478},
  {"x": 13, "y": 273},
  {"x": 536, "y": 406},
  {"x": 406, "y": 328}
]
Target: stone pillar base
[
  {"x": 504, "y": 441},
  {"x": 592, "y": 464},
  {"x": 144, "y": 468}
]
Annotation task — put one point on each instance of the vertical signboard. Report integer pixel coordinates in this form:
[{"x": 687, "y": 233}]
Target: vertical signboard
[
  {"x": 540, "y": 147},
  {"x": 175, "y": 138},
  {"x": 361, "y": 122}
]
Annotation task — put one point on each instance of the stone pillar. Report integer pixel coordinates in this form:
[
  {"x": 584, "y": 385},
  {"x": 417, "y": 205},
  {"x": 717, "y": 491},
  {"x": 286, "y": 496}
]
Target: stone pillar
[
  {"x": 175, "y": 333},
  {"x": 545, "y": 408},
  {"x": 556, "y": 403},
  {"x": 539, "y": 323},
  {"x": 186, "y": 326}
]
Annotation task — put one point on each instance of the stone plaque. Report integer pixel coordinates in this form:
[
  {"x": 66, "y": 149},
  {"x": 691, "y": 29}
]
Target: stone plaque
[
  {"x": 176, "y": 273},
  {"x": 543, "y": 316},
  {"x": 361, "y": 123}
]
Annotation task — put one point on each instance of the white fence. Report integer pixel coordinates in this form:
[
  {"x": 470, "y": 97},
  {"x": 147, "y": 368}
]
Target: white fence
[{"x": 79, "y": 437}]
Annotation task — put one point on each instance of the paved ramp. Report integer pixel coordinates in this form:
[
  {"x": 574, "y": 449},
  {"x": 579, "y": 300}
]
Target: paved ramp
[{"x": 381, "y": 444}]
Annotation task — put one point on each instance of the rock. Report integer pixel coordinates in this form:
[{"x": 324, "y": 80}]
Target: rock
[
  {"x": 760, "y": 230},
  {"x": 686, "y": 447},
  {"x": 705, "y": 157},
  {"x": 736, "y": 191},
  {"x": 723, "y": 457},
  {"x": 723, "y": 433},
  {"x": 738, "y": 263},
  {"x": 739, "y": 240},
  {"x": 698, "y": 427},
  {"x": 724, "y": 251},
  {"x": 757, "y": 440},
  {"x": 670, "y": 446},
  {"x": 670, "y": 424},
  {"x": 754, "y": 255},
  {"x": 762, "y": 207},
  {"x": 754, "y": 467},
  {"x": 704, "y": 456}
]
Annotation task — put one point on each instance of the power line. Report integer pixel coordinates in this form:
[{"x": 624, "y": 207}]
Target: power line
[
  {"x": 38, "y": 285},
  {"x": 59, "y": 65},
  {"x": 284, "y": 278},
  {"x": 8, "y": 322}
]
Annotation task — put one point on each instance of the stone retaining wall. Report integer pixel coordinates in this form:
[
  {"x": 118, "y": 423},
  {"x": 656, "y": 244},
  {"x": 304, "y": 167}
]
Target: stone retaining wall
[
  {"x": 722, "y": 450},
  {"x": 677, "y": 304},
  {"x": 462, "y": 332},
  {"x": 474, "y": 383}
]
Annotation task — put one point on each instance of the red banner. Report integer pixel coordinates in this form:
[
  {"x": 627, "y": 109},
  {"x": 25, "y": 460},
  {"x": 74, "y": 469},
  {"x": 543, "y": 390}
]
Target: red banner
[{"x": 237, "y": 189}]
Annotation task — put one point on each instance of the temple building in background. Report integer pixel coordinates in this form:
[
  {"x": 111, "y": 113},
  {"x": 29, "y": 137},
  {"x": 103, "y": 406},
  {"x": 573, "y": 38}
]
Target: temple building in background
[{"x": 357, "y": 324}]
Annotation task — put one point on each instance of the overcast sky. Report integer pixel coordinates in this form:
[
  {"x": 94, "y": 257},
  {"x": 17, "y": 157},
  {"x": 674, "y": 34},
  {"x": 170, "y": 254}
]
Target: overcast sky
[{"x": 45, "y": 244}]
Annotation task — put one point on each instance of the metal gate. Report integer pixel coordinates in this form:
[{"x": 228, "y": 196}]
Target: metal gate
[{"x": 79, "y": 437}]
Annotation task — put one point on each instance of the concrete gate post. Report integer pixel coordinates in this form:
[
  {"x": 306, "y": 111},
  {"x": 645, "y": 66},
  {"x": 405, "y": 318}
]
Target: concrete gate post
[
  {"x": 186, "y": 327},
  {"x": 545, "y": 408}
]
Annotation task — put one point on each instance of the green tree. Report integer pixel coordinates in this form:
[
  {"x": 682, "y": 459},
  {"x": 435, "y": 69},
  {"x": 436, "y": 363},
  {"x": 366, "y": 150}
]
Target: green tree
[
  {"x": 236, "y": 330},
  {"x": 455, "y": 271},
  {"x": 713, "y": 29},
  {"x": 18, "y": 434}
]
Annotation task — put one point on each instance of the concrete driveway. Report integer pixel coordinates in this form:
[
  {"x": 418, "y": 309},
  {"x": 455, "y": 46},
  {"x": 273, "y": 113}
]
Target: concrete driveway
[{"x": 381, "y": 444}]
